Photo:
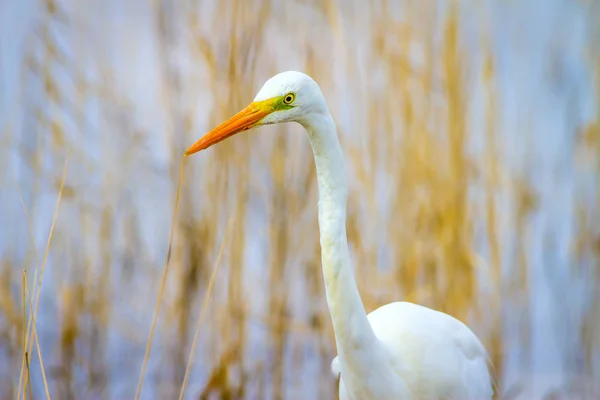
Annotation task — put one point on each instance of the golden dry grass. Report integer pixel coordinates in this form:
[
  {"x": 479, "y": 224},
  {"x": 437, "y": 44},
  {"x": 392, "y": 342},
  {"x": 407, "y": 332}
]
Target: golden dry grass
[{"x": 425, "y": 207}]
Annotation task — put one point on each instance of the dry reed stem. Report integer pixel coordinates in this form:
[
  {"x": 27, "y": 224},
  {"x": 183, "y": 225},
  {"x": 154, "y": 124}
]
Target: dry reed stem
[
  {"x": 54, "y": 219},
  {"x": 23, "y": 284},
  {"x": 33, "y": 314},
  {"x": 162, "y": 282},
  {"x": 23, "y": 300},
  {"x": 204, "y": 304},
  {"x": 37, "y": 345},
  {"x": 25, "y": 360},
  {"x": 39, "y": 350}
]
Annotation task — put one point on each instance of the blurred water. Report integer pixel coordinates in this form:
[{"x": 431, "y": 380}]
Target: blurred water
[{"x": 543, "y": 83}]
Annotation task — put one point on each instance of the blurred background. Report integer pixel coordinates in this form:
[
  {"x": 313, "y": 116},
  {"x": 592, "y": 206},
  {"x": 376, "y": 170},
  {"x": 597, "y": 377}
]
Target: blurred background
[{"x": 471, "y": 132}]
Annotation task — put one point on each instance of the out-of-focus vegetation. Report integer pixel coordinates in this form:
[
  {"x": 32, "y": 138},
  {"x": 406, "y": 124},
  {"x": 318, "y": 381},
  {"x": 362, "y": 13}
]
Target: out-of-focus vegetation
[{"x": 468, "y": 194}]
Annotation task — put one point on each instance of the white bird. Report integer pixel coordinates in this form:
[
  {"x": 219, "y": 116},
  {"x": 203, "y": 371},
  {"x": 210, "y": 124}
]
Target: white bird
[{"x": 401, "y": 350}]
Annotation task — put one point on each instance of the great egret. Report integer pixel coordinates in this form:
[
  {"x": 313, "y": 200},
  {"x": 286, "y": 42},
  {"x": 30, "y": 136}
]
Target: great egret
[{"x": 401, "y": 350}]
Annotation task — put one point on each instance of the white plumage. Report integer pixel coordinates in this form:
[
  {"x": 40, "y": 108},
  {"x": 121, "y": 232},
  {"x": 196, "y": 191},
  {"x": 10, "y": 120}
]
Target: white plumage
[
  {"x": 401, "y": 350},
  {"x": 437, "y": 355}
]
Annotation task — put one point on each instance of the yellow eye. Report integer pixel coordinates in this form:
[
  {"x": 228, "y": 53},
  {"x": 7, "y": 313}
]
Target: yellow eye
[{"x": 289, "y": 98}]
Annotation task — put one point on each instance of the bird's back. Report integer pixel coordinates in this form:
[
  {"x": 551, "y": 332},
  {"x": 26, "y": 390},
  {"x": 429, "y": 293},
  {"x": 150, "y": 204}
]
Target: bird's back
[{"x": 436, "y": 355}]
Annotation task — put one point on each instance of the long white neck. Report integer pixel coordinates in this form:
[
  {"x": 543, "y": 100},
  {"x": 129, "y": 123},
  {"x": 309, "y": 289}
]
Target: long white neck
[{"x": 354, "y": 336}]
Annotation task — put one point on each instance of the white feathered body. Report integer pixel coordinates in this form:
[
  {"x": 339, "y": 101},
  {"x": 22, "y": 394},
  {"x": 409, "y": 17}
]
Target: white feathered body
[{"x": 437, "y": 356}]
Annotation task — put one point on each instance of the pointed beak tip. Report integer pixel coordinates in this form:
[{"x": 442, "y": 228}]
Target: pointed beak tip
[{"x": 193, "y": 150}]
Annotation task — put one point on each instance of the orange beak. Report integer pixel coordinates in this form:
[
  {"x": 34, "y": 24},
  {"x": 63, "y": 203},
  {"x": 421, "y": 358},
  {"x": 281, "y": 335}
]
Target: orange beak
[{"x": 248, "y": 118}]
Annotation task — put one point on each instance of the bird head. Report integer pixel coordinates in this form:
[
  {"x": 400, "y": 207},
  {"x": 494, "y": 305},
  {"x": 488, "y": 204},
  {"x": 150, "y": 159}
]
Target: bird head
[{"x": 286, "y": 97}]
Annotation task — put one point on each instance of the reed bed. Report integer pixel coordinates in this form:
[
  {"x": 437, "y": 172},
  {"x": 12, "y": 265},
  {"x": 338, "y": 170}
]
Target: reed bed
[{"x": 451, "y": 202}]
